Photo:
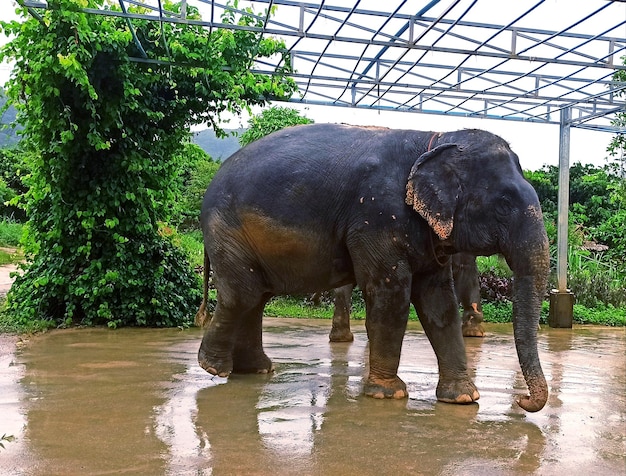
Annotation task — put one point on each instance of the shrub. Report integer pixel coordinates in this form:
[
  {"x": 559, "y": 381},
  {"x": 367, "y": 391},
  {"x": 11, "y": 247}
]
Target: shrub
[
  {"x": 604, "y": 315},
  {"x": 596, "y": 289}
]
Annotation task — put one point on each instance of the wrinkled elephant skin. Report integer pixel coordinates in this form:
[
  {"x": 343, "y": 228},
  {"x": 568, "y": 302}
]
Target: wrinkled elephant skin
[{"x": 317, "y": 207}]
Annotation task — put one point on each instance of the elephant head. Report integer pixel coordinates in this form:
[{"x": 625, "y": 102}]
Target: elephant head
[{"x": 473, "y": 195}]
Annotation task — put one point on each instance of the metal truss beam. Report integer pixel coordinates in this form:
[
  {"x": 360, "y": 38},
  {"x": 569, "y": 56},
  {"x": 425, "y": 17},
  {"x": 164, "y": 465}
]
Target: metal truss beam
[{"x": 439, "y": 56}]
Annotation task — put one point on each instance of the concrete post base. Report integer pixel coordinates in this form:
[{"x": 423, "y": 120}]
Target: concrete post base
[{"x": 561, "y": 309}]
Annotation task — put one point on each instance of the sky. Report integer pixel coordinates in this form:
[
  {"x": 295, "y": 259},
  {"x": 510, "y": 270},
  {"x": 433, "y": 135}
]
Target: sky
[{"x": 535, "y": 144}]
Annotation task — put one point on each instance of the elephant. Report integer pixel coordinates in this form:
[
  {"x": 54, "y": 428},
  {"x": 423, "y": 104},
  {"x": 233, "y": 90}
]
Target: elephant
[
  {"x": 466, "y": 286},
  {"x": 316, "y": 207}
]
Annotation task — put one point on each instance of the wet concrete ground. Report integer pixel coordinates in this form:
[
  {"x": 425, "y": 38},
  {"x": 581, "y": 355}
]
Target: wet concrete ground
[{"x": 134, "y": 401}]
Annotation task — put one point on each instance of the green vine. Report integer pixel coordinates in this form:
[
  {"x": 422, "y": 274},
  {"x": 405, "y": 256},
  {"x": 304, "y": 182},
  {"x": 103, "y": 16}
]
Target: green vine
[{"x": 104, "y": 131}]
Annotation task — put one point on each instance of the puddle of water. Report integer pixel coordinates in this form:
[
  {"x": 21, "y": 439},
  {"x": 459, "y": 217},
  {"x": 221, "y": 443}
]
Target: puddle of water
[{"x": 134, "y": 401}]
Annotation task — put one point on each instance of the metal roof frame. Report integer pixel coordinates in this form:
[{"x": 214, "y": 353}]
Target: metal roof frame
[{"x": 441, "y": 56}]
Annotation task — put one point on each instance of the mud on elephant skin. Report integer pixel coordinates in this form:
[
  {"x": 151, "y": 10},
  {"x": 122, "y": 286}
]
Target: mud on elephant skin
[{"x": 316, "y": 207}]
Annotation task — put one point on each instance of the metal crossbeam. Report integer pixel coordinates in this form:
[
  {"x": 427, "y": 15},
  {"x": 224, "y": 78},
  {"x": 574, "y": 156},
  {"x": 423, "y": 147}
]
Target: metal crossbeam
[{"x": 522, "y": 61}]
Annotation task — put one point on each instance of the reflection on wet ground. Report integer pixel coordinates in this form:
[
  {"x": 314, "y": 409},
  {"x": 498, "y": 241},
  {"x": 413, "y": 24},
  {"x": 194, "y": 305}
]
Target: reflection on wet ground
[{"x": 134, "y": 401}]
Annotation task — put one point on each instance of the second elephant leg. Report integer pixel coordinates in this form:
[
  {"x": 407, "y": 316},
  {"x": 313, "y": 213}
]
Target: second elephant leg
[
  {"x": 340, "y": 331},
  {"x": 233, "y": 339},
  {"x": 467, "y": 287}
]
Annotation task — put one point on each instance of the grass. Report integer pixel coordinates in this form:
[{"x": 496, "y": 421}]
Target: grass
[
  {"x": 500, "y": 312},
  {"x": 10, "y": 256},
  {"x": 10, "y": 233},
  {"x": 10, "y": 236}
]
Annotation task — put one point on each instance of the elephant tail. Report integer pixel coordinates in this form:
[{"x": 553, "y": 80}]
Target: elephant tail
[{"x": 203, "y": 316}]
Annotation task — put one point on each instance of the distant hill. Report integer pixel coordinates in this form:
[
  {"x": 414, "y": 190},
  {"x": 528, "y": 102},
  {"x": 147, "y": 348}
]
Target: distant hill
[
  {"x": 218, "y": 149},
  {"x": 8, "y": 136}
]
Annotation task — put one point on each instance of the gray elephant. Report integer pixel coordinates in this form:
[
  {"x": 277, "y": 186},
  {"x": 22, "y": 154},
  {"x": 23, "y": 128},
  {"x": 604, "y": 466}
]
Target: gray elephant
[{"x": 319, "y": 206}]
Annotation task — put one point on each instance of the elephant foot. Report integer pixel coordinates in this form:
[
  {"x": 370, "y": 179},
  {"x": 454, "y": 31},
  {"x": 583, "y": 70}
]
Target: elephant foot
[
  {"x": 222, "y": 367},
  {"x": 247, "y": 362},
  {"x": 385, "y": 388},
  {"x": 473, "y": 329},
  {"x": 473, "y": 322},
  {"x": 457, "y": 391},
  {"x": 340, "y": 335}
]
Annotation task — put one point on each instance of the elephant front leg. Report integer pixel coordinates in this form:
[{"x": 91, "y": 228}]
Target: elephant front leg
[
  {"x": 435, "y": 302},
  {"x": 386, "y": 319}
]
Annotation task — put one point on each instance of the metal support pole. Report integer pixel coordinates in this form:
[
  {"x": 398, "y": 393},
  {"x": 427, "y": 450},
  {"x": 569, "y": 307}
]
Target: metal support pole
[
  {"x": 563, "y": 203},
  {"x": 562, "y": 299}
]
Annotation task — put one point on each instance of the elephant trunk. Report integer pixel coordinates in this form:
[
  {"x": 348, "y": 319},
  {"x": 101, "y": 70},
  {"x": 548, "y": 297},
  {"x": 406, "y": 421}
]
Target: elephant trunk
[
  {"x": 526, "y": 308},
  {"x": 530, "y": 265}
]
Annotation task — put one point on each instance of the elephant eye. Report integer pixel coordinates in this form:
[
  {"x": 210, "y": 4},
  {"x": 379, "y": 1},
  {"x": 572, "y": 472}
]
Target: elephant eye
[{"x": 503, "y": 206}]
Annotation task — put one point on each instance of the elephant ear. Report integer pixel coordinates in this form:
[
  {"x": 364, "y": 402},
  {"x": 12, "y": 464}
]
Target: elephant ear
[{"x": 433, "y": 188}]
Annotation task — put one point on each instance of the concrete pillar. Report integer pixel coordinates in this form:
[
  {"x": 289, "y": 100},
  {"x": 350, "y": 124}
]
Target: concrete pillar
[
  {"x": 561, "y": 309},
  {"x": 562, "y": 299}
]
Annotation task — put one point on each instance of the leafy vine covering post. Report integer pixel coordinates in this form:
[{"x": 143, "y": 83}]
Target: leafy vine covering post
[
  {"x": 617, "y": 146},
  {"x": 104, "y": 130}
]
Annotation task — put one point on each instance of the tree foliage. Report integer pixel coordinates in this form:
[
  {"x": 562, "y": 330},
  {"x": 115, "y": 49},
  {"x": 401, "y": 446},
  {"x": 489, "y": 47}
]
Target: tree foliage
[
  {"x": 196, "y": 172},
  {"x": 271, "y": 120},
  {"x": 103, "y": 130},
  {"x": 597, "y": 214}
]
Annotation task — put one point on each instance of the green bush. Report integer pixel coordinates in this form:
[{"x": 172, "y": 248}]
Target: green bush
[
  {"x": 612, "y": 232},
  {"x": 501, "y": 311},
  {"x": 604, "y": 315},
  {"x": 597, "y": 289},
  {"x": 106, "y": 130},
  {"x": 191, "y": 244}
]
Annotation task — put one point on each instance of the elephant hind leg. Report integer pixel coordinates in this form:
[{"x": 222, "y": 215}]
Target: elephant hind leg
[
  {"x": 340, "y": 331},
  {"x": 233, "y": 340},
  {"x": 473, "y": 320},
  {"x": 248, "y": 353}
]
